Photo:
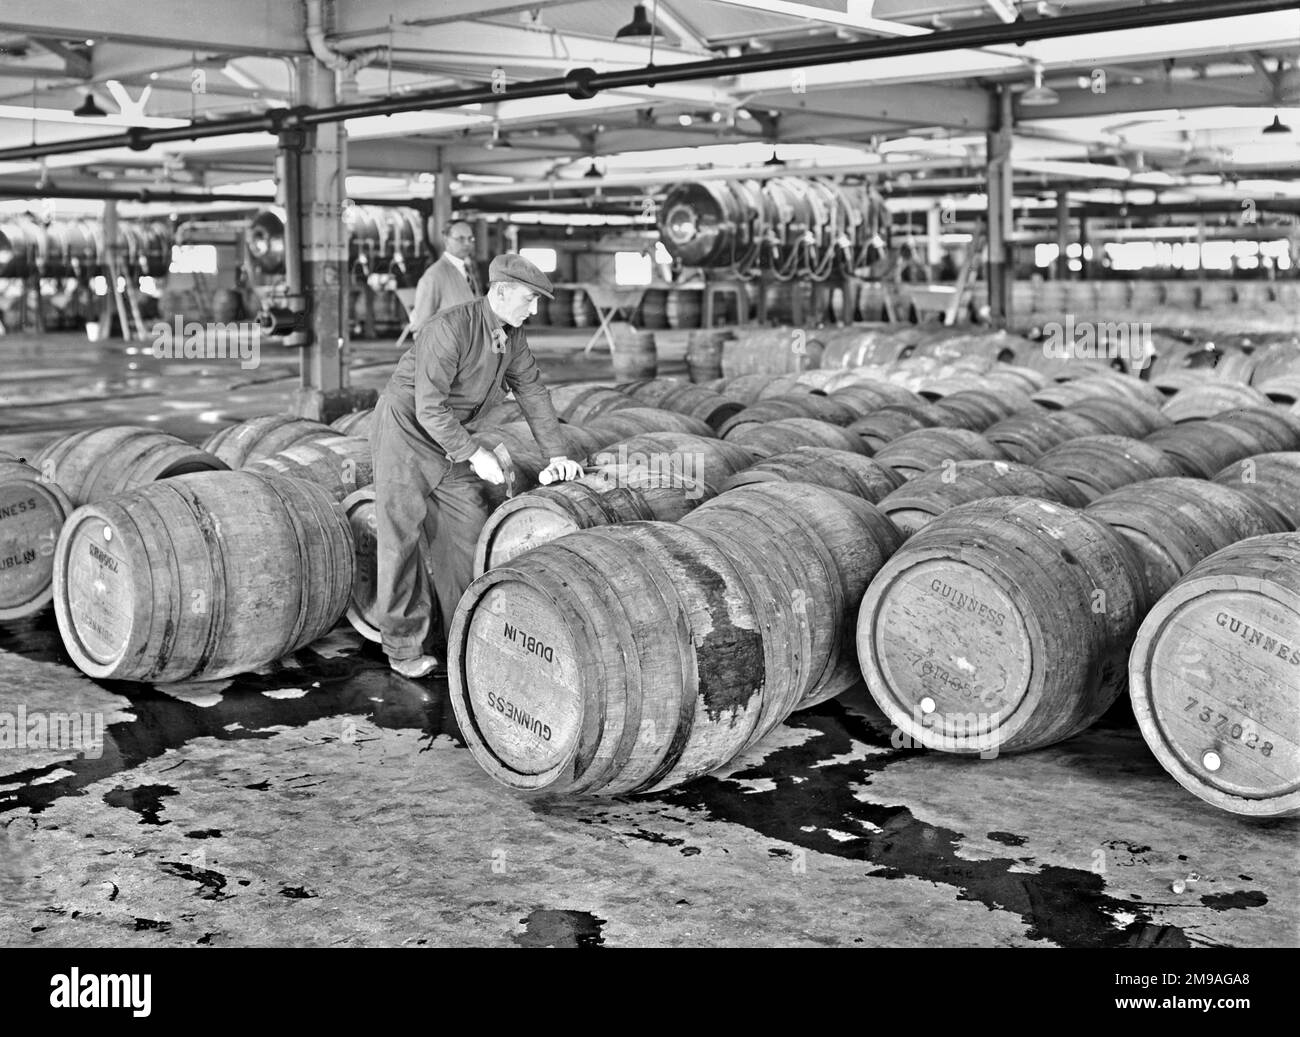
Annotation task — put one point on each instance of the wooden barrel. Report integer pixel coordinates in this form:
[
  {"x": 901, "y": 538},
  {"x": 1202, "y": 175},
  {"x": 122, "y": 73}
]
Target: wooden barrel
[
  {"x": 839, "y": 543},
  {"x": 915, "y": 452},
  {"x": 632, "y": 421},
  {"x": 1272, "y": 426},
  {"x": 1098, "y": 464},
  {"x": 650, "y": 392},
  {"x": 1122, "y": 417},
  {"x": 634, "y": 355},
  {"x": 1026, "y": 379},
  {"x": 867, "y": 397},
  {"x": 561, "y": 308},
  {"x": 771, "y": 351},
  {"x": 699, "y": 403},
  {"x": 340, "y": 466},
  {"x": 1205, "y": 401},
  {"x": 1201, "y": 448},
  {"x": 977, "y": 409},
  {"x": 704, "y": 354},
  {"x": 919, "y": 501},
  {"x": 841, "y": 470},
  {"x": 1284, "y": 389},
  {"x": 1064, "y": 394},
  {"x": 1128, "y": 386},
  {"x": 143, "y": 590},
  {"x": 699, "y": 457},
  {"x": 857, "y": 345},
  {"x": 1272, "y": 479},
  {"x": 550, "y": 512},
  {"x": 747, "y": 388},
  {"x": 886, "y": 424},
  {"x": 359, "y": 508},
  {"x": 1028, "y": 436},
  {"x": 682, "y": 308},
  {"x": 1213, "y": 677},
  {"x": 32, "y": 513},
  {"x": 774, "y": 408},
  {"x": 263, "y": 436},
  {"x": 1001, "y": 627},
  {"x": 776, "y": 437},
  {"x": 653, "y": 312},
  {"x": 621, "y": 659},
  {"x": 1171, "y": 524},
  {"x": 591, "y": 402},
  {"x": 584, "y": 313},
  {"x": 503, "y": 413},
  {"x": 98, "y": 463},
  {"x": 358, "y": 423}
]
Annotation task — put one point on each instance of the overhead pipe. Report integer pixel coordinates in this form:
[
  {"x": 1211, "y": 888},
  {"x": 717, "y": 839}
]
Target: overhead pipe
[
  {"x": 142, "y": 195},
  {"x": 340, "y": 61},
  {"x": 585, "y": 83}
]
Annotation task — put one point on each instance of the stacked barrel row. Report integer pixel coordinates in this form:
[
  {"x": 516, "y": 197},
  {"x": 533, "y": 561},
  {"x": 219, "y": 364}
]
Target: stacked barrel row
[
  {"x": 165, "y": 565},
  {"x": 1006, "y": 624}
]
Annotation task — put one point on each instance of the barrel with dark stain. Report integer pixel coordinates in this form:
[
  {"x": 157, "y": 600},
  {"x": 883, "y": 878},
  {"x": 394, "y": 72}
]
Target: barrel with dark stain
[
  {"x": 621, "y": 659},
  {"x": 1004, "y": 626},
  {"x": 1172, "y": 524},
  {"x": 840, "y": 470},
  {"x": 32, "y": 513},
  {"x": 1272, "y": 479},
  {"x": 682, "y": 398},
  {"x": 97, "y": 463},
  {"x": 918, "y": 502},
  {"x": 201, "y": 576},
  {"x": 1213, "y": 677},
  {"x": 1098, "y": 464},
  {"x": 915, "y": 452},
  {"x": 837, "y": 543},
  {"x": 776, "y": 437},
  {"x": 263, "y": 436}
]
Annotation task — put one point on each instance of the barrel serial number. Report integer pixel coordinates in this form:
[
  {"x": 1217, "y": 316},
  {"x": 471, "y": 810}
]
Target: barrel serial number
[
  {"x": 966, "y": 689},
  {"x": 1225, "y": 725}
]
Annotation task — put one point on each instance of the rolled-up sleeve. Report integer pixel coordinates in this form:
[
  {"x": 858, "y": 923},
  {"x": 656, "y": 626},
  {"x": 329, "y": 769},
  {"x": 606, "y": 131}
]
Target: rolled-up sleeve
[
  {"x": 436, "y": 364},
  {"x": 523, "y": 376}
]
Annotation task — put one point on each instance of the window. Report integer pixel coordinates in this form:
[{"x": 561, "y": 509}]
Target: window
[
  {"x": 632, "y": 268},
  {"x": 542, "y": 258},
  {"x": 194, "y": 259}
]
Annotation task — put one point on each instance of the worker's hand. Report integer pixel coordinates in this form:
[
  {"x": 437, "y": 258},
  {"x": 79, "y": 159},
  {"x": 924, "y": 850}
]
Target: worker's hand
[
  {"x": 487, "y": 467},
  {"x": 561, "y": 469}
]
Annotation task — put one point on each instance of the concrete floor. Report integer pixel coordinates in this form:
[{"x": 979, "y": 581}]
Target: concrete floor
[{"x": 329, "y": 802}]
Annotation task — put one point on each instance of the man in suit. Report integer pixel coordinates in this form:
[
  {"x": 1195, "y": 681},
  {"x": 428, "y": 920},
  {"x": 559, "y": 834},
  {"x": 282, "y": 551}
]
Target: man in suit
[
  {"x": 427, "y": 465},
  {"x": 453, "y": 279}
]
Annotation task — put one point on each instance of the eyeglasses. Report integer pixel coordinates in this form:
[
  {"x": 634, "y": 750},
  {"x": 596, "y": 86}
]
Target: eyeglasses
[{"x": 460, "y": 237}]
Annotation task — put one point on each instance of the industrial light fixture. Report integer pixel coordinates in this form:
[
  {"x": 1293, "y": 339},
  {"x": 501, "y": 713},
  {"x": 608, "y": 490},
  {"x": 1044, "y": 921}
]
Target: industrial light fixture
[
  {"x": 1038, "y": 95},
  {"x": 774, "y": 160},
  {"x": 640, "y": 28},
  {"x": 1277, "y": 126},
  {"x": 88, "y": 109},
  {"x": 498, "y": 139},
  {"x": 592, "y": 172}
]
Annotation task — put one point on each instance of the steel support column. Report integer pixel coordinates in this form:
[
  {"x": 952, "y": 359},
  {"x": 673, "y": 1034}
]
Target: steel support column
[{"x": 1001, "y": 271}]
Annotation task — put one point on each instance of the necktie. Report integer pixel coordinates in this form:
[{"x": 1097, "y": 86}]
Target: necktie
[{"x": 472, "y": 277}]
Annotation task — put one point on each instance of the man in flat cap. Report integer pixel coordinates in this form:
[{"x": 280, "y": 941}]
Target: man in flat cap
[{"x": 427, "y": 467}]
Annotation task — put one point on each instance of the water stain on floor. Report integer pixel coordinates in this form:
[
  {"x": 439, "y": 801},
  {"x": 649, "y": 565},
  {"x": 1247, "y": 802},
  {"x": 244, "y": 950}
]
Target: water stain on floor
[{"x": 547, "y": 928}]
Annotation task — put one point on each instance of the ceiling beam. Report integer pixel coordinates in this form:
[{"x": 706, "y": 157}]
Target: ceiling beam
[
  {"x": 75, "y": 62},
  {"x": 357, "y": 18},
  {"x": 245, "y": 26}
]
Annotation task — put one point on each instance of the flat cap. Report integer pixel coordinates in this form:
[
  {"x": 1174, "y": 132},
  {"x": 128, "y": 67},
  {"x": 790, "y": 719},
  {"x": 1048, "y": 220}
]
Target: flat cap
[{"x": 510, "y": 266}]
